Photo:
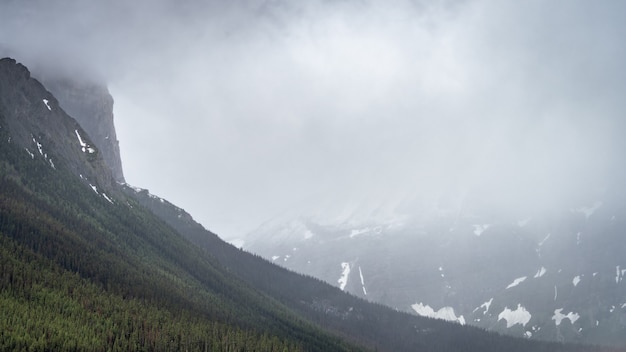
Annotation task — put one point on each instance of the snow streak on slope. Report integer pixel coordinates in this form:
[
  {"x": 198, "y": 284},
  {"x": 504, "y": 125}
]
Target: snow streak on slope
[
  {"x": 485, "y": 305},
  {"x": 540, "y": 272},
  {"x": 45, "y": 101},
  {"x": 516, "y": 282},
  {"x": 85, "y": 147},
  {"x": 619, "y": 274},
  {"x": 343, "y": 280},
  {"x": 362, "y": 281}
]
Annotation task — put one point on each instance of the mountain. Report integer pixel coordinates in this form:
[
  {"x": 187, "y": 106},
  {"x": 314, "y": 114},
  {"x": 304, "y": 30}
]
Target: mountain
[
  {"x": 91, "y": 105},
  {"x": 555, "y": 275},
  {"x": 38, "y": 124},
  {"x": 88, "y": 263},
  {"x": 86, "y": 268}
]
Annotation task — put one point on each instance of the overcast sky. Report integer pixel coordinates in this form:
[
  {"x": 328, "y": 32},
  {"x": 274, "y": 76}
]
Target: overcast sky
[{"x": 240, "y": 111}]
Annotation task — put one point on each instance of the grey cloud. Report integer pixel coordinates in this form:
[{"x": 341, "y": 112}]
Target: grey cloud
[{"x": 240, "y": 110}]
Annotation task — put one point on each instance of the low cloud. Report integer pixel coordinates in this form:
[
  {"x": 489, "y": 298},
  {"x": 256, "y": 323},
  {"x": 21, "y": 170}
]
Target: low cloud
[{"x": 241, "y": 110}]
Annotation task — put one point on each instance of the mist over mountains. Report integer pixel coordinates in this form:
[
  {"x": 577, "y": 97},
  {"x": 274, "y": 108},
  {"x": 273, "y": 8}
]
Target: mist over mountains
[
  {"x": 425, "y": 155},
  {"x": 452, "y": 159},
  {"x": 89, "y": 263},
  {"x": 363, "y": 109}
]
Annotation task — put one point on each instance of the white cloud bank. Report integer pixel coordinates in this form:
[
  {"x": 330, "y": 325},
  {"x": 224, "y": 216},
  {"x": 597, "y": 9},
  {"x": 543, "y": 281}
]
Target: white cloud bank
[{"x": 240, "y": 110}]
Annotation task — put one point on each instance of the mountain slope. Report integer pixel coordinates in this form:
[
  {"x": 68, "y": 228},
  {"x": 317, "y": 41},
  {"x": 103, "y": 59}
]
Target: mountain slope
[
  {"x": 377, "y": 325},
  {"x": 549, "y": 276},
  {"x": 75, "y": 251},
  {"x": 86, "y": 266}
]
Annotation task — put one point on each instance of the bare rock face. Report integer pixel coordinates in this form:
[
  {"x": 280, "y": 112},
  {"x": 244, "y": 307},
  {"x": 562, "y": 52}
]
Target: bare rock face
[
  {"x": 92, "y": 106},
  {"x": 33, "y": 119}
]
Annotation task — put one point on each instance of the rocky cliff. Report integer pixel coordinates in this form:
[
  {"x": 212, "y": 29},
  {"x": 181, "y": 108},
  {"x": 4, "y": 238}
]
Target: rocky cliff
[
  {"x": 37, "y": 123},
  {"x": 92, "y": 106}
]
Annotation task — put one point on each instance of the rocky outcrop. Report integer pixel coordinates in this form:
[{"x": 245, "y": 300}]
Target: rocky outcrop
[
  {"x": 92, "y": 106},
  {"x": 34, "y": 121}
]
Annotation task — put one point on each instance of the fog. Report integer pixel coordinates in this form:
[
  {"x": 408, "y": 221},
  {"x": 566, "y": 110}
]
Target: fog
[{"x": 240, "y": 111}]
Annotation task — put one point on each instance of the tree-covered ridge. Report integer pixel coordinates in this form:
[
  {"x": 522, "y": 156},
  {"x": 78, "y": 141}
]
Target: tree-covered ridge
[{"x": 46, "y": 308}]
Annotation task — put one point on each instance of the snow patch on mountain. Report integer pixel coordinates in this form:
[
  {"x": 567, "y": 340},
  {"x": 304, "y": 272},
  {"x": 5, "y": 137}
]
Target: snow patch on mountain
[
  {"x": 518, "y": 316},
  {"x": 445, "y": 313},
  {"x": 558, "y": 316},
  {"x": 362, "y": 281},
  {"x": 41, "y": 152},
  {"x": 516, "y": 282},
  {"x": 343, "y": 280},
  {"x": 485, "y": 305},
  {"x": 38, "y": 146},
  {"x": 85, "y": 147},
  {"x": 45, "y": 101},
  {"x": 541, "y": 272},
  {"x": 555, "y": 292},
  {"x": 107, "y": 198},
  {"x": 619, "y": 274}
]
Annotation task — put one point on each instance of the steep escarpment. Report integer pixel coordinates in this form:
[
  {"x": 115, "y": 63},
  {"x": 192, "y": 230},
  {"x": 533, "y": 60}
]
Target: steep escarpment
[
  {"x": 91, "y": 105},
  {"x": 37, "y": 123}
]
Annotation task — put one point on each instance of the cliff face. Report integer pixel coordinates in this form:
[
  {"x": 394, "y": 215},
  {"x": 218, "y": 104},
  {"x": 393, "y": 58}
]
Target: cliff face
[
  {"x": 36, "y": 122},
  {"x": 92, "y": 106}
]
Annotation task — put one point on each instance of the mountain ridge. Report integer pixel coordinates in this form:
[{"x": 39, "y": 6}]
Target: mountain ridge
[{"x": 516, "y": 275}]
